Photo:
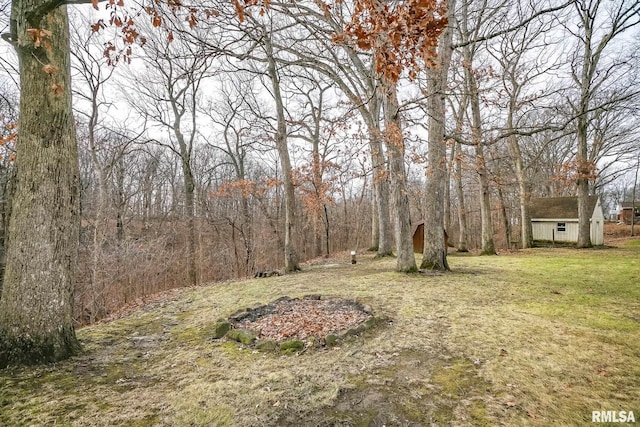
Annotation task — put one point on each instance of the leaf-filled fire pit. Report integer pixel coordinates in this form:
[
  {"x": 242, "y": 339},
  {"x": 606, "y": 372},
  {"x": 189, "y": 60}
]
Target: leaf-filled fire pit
[{"x": 292, "y": 324}]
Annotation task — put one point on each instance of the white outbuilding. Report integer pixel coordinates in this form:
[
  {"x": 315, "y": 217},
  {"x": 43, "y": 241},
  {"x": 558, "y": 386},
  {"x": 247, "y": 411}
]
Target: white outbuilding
[{"x": 556, "y": 219}]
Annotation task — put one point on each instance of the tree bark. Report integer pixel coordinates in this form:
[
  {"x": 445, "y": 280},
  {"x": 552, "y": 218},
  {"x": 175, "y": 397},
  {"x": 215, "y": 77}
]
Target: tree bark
[
  {"x": 381, "y": 187},
  {"x": 526, "y": 233},
  {"x": 434, "y": 255},
  {"x": 375, "y": 227},
  {"x": 405, "y": 261},
  {"x": 462, "y": 212},
  {"x": 290, "y": 255},
  {"x": 36, "y": 310},
  {"x": 488, "y": 245},
  {"x": 505, "y": 217}
]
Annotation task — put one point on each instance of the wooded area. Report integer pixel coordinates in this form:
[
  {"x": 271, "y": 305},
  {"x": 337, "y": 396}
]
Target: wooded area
[{"x": 218, "y": 140}]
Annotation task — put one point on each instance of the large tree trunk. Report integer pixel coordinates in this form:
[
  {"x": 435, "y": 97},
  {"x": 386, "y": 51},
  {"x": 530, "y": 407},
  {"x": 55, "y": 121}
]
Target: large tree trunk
[
  {"x": 584, "y": 172},
  {"x": 375, "y": 227},
  {"x": 505, "y": 217},
  {"x": 290, "y": 254},
  {"x": 383, "y": 238},
  {"x": 189, "y": 190},
  {"x": 101, "y": 235},
  {"x": 381, "y": 187},
  {"x": 488, "y": 245},
  {"x": 189, "y": 195},
  {"x": 406, "y": 261},
  {"x": 434, "y": 255},
  {"x": 526, "y": 233},
  {"x": 462, "y": 213},
  {"x": 36, "y": 312}
]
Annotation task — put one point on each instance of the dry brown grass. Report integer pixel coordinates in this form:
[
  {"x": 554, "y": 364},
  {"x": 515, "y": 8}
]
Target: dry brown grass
[{"x": 542, "y": 338}]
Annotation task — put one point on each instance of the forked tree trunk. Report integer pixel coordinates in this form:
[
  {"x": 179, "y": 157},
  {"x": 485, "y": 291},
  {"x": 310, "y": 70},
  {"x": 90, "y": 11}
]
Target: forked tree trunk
[
  {"x": 290, "y": 255},
  {"x": 381, "y": 187},
  {"x": 434, "y": 255},
  {"x": 406, "y": 261},
  {"x": 36, "y": 312},
  {"x": 488, "y": 245}
]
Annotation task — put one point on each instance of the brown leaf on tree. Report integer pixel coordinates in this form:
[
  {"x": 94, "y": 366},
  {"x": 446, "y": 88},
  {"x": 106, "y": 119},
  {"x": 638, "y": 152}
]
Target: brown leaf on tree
[
  {"x": 39, "y": 36},
  {"x": 57, "y": 89},
  {"x": 400, "y": 35},
  {"x": 98, "y": 26},
  {"x": 50, "y": 69},
  {"x": 239, "y": 10}
]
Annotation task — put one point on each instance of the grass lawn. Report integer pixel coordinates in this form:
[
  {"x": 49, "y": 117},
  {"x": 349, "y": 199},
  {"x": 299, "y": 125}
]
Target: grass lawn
[{"x": 539, "y": 337}]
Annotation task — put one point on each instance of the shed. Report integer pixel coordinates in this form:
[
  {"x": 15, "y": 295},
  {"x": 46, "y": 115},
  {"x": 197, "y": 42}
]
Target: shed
[
  {"x": 556, "y": 219},
  {"x": 418, "y": 237},
  {"x": 628, "y": 210}
]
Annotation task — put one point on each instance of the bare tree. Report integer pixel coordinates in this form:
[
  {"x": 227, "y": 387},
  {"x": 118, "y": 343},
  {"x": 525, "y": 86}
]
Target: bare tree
[
  {"x": 170, "y": 91},
  {"x": 598, "y": 24}
]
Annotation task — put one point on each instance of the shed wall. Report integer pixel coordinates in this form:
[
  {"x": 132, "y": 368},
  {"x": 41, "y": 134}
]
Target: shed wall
[
  {"x": 597, "y": 231},
  {"x": 418, "y": 239},
  {"x": 547, "y": 230},
  {"x": 597, "y": 225}
]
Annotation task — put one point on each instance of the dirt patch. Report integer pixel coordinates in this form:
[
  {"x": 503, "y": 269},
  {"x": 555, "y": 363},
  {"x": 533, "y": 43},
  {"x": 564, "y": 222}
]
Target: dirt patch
[{"x": 303, "y": 319}]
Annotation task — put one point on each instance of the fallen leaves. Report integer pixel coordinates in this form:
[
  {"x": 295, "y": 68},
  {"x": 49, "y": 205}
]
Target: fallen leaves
[{"x": 303, "y": 319}]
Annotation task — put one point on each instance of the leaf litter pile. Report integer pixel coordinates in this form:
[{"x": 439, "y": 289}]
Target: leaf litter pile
[{"x": 302, "y": 319}]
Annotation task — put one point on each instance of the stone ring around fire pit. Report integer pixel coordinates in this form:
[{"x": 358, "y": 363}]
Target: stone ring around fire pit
[{"x": 292, "y": 325}]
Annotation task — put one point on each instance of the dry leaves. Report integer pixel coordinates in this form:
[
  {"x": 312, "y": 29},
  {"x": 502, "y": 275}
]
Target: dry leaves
[{"x": 303, "y": 319}]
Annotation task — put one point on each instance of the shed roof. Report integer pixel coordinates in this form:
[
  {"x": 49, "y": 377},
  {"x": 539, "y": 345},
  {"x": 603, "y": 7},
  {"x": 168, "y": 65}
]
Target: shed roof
[
  {"x": 558, "y": 207},
  {"x": 415, "y": 225},
  {"x": 629, "y": 205}
]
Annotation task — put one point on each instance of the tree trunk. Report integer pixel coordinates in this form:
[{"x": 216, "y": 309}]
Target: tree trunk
[
  {"x": 447, "y": 188},
  {"x": 375, "y": 227},
  {"x": 189, "y": 190},
  {"x": 317, "y": 186},
  {"x": 381, "y": 187},
  {"x": 488, "y": 245},
  {"x": 36, "y": 310},
  {"x": 406, "y": 261},
  {"x": 8, "y": 187},
  {"x": 584, "y": 172},
  {"x": 462, "y": 213},
  {"x": 505, "y": 217},
  {"x": 120, "y": 201},
  {"x": 290, "y": 254},
  {"x": 526, "y": 234},
  {"x": 434, "y": 255}
]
